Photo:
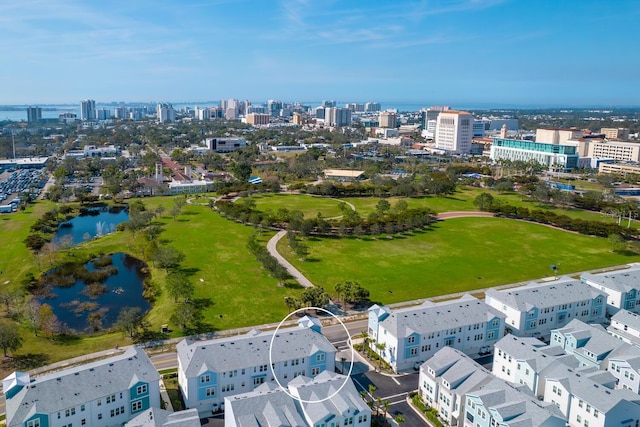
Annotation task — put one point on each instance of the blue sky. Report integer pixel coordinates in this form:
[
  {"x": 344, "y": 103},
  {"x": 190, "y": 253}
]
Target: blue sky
[{"x": 458, "y": 52}]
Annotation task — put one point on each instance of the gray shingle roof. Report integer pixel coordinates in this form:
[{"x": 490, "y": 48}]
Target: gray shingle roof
[
  {"x": 430, "y": 317},
  {"x": 544, "y": 295},
  {"x": 267, "y": 405},
  {"x": 156, "y": 417},
  {"x": 622, "y": 280},
  {"x": 460, "y": 371},
  {"x": 531, "y": 350},
  {"x": 244, "y": 351},
  {"x": 599, "y": 341},
  {"x": 628, "y": 318},
  {"x": 74, "y": 386}
]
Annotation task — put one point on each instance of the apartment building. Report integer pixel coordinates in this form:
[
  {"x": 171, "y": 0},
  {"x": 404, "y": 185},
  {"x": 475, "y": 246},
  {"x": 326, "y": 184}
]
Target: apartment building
[
  {"x": 105, "y": 393},
  {"x": 328, "y": 400},
  {"x": 625, "y": 325},
  {"x": 590, "y": 344},
  {"x": 209, "y": 371},
  {"x": 410, "y": 336},
  {"x": 625, "y": 366},
  {"x": 538, "y": 308},
  {"x": 388, "y": 119},
  {"x": 615, "y": 133},
  {"x": 446, "y": 378},
  {"x": 622, "y": 288}
]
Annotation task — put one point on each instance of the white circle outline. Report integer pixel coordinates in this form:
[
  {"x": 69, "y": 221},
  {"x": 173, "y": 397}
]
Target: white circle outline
[{"x": 275, "y": 377}]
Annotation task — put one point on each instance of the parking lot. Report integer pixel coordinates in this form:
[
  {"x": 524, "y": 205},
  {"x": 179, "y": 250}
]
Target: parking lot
[{"x": 18, "y": 184}]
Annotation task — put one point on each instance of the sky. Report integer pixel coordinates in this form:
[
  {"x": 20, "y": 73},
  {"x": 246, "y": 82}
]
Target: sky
[{"x": 430, "y": 52}]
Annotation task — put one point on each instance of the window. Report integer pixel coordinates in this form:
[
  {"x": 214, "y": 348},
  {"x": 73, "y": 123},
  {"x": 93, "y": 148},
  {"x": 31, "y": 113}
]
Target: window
[
  {"x": 210, "y": 392},
  {"x": 203, "y": 379},
  {"x": 83, "y": 422},
  {"x": 136, "y": 406},
  {"x": 413, "y": 351},
  {"x": 81, "y": 408},
  {"x": 411, "y": 340},
  {"x": 579, "y": 419},
  {"x": 33, "y": 423},
  {"x": 141, "y": 389},
  {"x": 258, "y": 381},
  {"x": 315, "y": 371},
  {"x": 228, "y": 387},
  {"x": 320, "y": 357},
  {"x": 99, "y": 416},
  {"x": 99, "y": 402}
]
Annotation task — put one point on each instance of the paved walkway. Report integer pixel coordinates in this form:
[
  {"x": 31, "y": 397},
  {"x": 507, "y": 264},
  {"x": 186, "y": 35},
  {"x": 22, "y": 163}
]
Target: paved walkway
[{"x": 271, "y": 247}]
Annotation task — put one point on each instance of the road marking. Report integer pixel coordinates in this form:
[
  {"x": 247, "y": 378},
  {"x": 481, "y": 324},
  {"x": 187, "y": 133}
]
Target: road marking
[
  {"x": 395, "y": 380},
  {"x": 394, "y": 395},
  {"x": 399, "y": 401}
]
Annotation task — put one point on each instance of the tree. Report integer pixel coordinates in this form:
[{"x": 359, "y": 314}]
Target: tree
[
  {"x": 483, "y": 201},
  {"x": 382, "y": 206},
  {"x": 179, "y": 286},
  {"x": 380, "y": 346},
  {"x": 10, "y": 338},
  {"x": 187, "y": 315},
  {"x": 314, "y": 297},
  {"x": 32, "y": 312},
  {"x": 617, "y": 242},
  {"x": 130, "y": 321},
  {"x": 167, "y": 257},
  {"x": 400, "y": 419},
  {"x": 48, "y": 320},
  {"x": 291, "y": 302}
]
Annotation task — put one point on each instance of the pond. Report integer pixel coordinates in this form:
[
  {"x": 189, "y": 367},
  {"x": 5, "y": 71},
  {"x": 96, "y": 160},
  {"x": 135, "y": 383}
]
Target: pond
[
  {"x": 83, "y": 307},
  {"x": 94, "y": 222}
]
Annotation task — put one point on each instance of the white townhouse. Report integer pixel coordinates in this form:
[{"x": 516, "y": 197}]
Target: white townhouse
[
  {"x": 538, "y": 308},
  {"x": 105, "y": 393},
  {"x": 410, "y": 336},
  {"x": 590, "y": 344},
  {"x": 500, "y": 403},
  {"x": 586, "y": 398},
  {"x": 156, "y": 417},
  {"x": 625, "y": 325},
  {"x": 445, "y": 380},
  {"x": 209, "y": 371},
  {"x": 328, "y": 400},
  {"x": 622, "y": 288},
  {"x": 525, "y": 360},
  {"x": 625, "y": 366}
]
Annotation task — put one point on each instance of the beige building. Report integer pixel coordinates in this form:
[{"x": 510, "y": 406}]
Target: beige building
[
  {"x": 615, "y": 133},
  {"x": 557, "y": 136},
  {"x": 454, "y": 131},
  {"x": 258, "y": 119},
  {"x": 602, "y": 149},
  {"x": 619, "y": 168},
  {"x": 297, "y": 119},
  {"x": 387, "y": 119}
]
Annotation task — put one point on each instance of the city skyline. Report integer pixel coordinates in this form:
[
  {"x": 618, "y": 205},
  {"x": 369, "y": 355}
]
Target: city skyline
[{"x": 461, "y": 52}]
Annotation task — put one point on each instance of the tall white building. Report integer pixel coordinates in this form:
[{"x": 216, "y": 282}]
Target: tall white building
[
  {"x": 165, "y": 113},
  {"x": 388, "y": 119},
  {"x": 454, "y": 131},
  {"x": 88, "y": 109},
  {"x": 335, "y": 116}
]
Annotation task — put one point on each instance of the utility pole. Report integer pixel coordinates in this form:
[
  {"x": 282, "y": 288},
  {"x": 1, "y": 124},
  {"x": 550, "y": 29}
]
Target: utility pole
[{"x": 13, "y": 140}]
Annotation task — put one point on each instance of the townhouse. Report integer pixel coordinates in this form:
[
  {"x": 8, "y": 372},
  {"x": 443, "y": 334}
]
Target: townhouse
[
  {"x": 446, "y": 378},
  {"x": 536, "y": 309},
  {"x": 622, "y": 288},
  {"x": 525, "y": 360},
  {"x": 500, "y": 403},
  {"x": 625, "y": 366},
  {"x": 589, "y": 344},
  {"x": 105, "y": 393},
  {"x": 586, "y": 398},
  {"x": 406, "y": 338},
  {"x": 625, "y": 325},
  {"x": 328, "y": 400},
  {"x": 209, "y": 371}
]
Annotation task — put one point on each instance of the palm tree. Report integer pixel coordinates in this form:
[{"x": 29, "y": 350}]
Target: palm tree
[
  {"x": 386, "y": 405},
  {"x": 380, "y": 346},
  {"x": 366, "y": 339},
  {"x": 378, "y": 405},
  {"x": 400, "y": 419}
]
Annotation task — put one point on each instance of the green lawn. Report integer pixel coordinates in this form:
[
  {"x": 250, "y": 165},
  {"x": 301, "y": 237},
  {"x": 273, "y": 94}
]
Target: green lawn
[
  {"x": 310, "y": 206},
  {"x": 457, "y": 255}
]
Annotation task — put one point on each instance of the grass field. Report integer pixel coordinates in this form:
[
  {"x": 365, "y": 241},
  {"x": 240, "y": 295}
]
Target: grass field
[
  {"x": 457, "y": 255},
  {"x": 310, "y": 206}
]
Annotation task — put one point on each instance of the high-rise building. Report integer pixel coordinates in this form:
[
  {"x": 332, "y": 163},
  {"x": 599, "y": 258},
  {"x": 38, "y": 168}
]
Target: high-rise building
[
  {"x": 121, "y": 112},
  {"x": 319, "y": 112},
  {"x": 388, "y": 119},
  {"x": 274, "y": 106},
  {"x": 371, "y": 107},
  {"x": 335, "y": 116},
  {"x": 297, "y": 119},
  {"x": 616, "y": 133},
  {"x": 201, "y": 113},
  {"x": 88, "y": 109},
  {"x": 165, "y": 113},
  {"x": 258, "y": 118},
  {"x": 454, "y": 131},
  {"x": 430, "y": 120},
  {"x": 557, "y": 136},
  {"x": 103, "y": 114},
  {"x": 328, "y": 103},
  {"x": 34, "y": 114}
]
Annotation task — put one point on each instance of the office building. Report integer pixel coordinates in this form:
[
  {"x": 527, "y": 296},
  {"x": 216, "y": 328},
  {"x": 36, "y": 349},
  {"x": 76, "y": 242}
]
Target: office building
[
  {"x": 388, "y": 119},
  {"x": 34, "y": 114},
  {"x": 121, "y": 112},
  {"x": 616, "y": 133},
  {"x": 538, "y": 308},
  {"x": 430, "y": 120},
  {"x": 557, "y": 136},
  {"x": 553, "y": 156},
  {"x": 210, "y": 371},
  {"x": 258, "y": 119},
  {"x": 225, "y": 145},
  {"x": 87, "y": 110},
  {"x": 411, "y": 336},
  {"x": 454, "y": 131},
  {"x": 371, "y": 107},
  {"x": 274, "y": 106},
  {"x": 297, "y": 119}
]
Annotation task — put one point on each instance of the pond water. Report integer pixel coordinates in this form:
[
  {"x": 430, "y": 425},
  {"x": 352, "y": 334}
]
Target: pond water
[
  {"x": 73, "y": 307},
  {"x": 94, "y": 222}
]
